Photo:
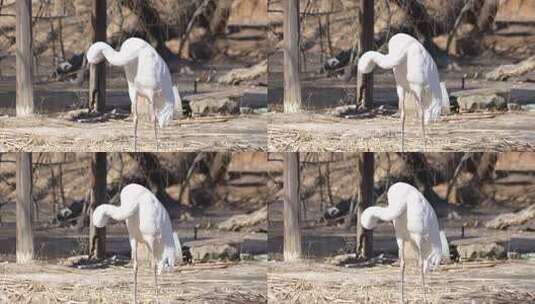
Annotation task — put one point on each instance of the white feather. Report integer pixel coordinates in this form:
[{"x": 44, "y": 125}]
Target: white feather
[
  {"x": 146, "y": 73},
  {"x": 178, "y": 103},
  {"x": 414, "y": 220},
  {"x": 147, "y": 222},
  {"x": 414, "y": 70}
]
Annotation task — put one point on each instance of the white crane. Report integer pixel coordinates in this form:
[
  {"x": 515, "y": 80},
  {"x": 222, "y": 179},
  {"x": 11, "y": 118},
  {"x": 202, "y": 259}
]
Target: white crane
[
  {"x": 148, "y": 77},
  {"x": 148, "y": 223},
  {"x": 414, "y": 221},
  {"x": 416, "y": 73}
]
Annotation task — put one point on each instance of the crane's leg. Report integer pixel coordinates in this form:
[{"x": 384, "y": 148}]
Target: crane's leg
[
  {"x": 418, "y": 92},
  {"x": 133, "y": 245},
  {"x": 401, "y": 97},
  {"x": 156, "y": 130},
  {"x": 155, "y": 266},
  {"x": 402, "y": 267},
  {"x": 423, "y": 126},
  {"x": 422, "y": 270},
  {"x": 135, "y": 121},
  {"x": 403, "y": 127},
  {"x": 422, "y": 116}
]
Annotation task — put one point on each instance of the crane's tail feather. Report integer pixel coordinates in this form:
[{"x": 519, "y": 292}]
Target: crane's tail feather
[
  {"x": 178, "y": 246},
  {"x": 178, "y": 103},
  {"x": 433, "y": 260},
  {"x": 445, "y": 98},
  {"x": 445, "y": 246},
  {"x": 439, "y": 249},
  {"x": 165, "y": 114},
  {"x": 372, "y": 215},
  {"x": 440, "y": 103},
  {"x": 103, "y": 213}
]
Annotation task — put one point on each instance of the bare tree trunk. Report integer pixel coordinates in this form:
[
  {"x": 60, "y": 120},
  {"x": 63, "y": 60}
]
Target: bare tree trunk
[
  {"x": 151, "y": 23},
  {"x": 422, "y": 23},
  {"x": 292, "y": 82},
  {"x": 97, "y": 72},
  {"x": 97, "y": 236},
  {"x": 25, "y": 250},
  {"x": 486, "y": 166},
  {"x": 219, "y": 165},
  {"x": 292, "y": 230},
  {"x": 24, "y": 54},
  {"x": 366, "y": 166},
  {"x": 365, "y": 82},
  {"x": 60, "y": 10},
  {"x": 61, "y": 188},
  {"x": 422, "y": 178},
  {"x": 488, "y": 10}
]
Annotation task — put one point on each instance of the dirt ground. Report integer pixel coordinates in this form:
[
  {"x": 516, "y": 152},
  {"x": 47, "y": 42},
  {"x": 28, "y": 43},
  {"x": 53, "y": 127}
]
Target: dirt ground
[
  {"x": 210, "y": 283},
  {"x": 46, "y": 134},
  {"x": 508, "y": 282},
  {"x": 462, "y": 132}
]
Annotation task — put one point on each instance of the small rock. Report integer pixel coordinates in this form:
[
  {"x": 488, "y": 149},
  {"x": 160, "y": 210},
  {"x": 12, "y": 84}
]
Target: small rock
[
  {"x": 260, "y": 257},
  {"x": 481, "y": 251},
  {"x": 342, "y": 259},
  {"x": 482, "y": 100},
  {"x": 261, "y": 110},
  {"x": 246, "y": 110},
  {"x": 453, "y": 215},
  {"x": 207, "y": 253},
  {"x": 246, "y": 257},
  {"x": 342, "y": 110},
  {"x": 529, "y": 107},
  {"x": 210, "y": 106},
  {"x": 514, "y": 107},
  {"x": 243, "y": 221},
  {"x": 237, "y": 76},
  {"x": 186, "y": 217},
  {"x": 528, "y": 256}
]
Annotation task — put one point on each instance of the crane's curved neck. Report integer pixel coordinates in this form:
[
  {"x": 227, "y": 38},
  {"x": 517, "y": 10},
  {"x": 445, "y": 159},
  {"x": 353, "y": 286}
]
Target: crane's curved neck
[
  {"x": 100, "y": 51},
  {"x": 102, "y": 214}
]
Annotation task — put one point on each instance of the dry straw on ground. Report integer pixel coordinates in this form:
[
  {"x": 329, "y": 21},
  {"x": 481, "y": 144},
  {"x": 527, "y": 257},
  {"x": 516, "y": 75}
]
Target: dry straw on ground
[{"x": 320, "y": 283}]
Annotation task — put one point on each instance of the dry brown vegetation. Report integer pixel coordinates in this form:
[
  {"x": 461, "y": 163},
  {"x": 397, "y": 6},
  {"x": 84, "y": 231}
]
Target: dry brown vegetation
[
  {"x": 320, "y": 283},
  {"x": 218, "y": 283}
]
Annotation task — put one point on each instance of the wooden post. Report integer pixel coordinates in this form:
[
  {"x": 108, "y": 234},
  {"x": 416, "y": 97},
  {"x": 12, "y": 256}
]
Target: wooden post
[
  {"x": 292, "y": 229},
  {"x": 97, "y": 236},
  {"x": 25, "y": 251},
  {"x": 97, "y": 72},
  {"x": 365, "y": 168},
  {"x": 24, "y": 58},
  {"x": 365, "y": 82},
  {"x": 292, "y": 82}
]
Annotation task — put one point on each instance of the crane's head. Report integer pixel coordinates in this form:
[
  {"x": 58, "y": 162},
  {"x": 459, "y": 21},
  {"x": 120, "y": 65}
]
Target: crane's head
[
  {"x": 94, "y": 54},
  {"x": 366, "y": 63}
]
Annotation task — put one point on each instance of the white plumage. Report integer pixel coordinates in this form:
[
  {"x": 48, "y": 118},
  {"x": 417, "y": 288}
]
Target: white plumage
[
  {"x": 147, "y": 75},
  {"x": 414, "y": 221},
  {"x": 416, "y": 73},
  {"x": 148, "y": 223}
]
